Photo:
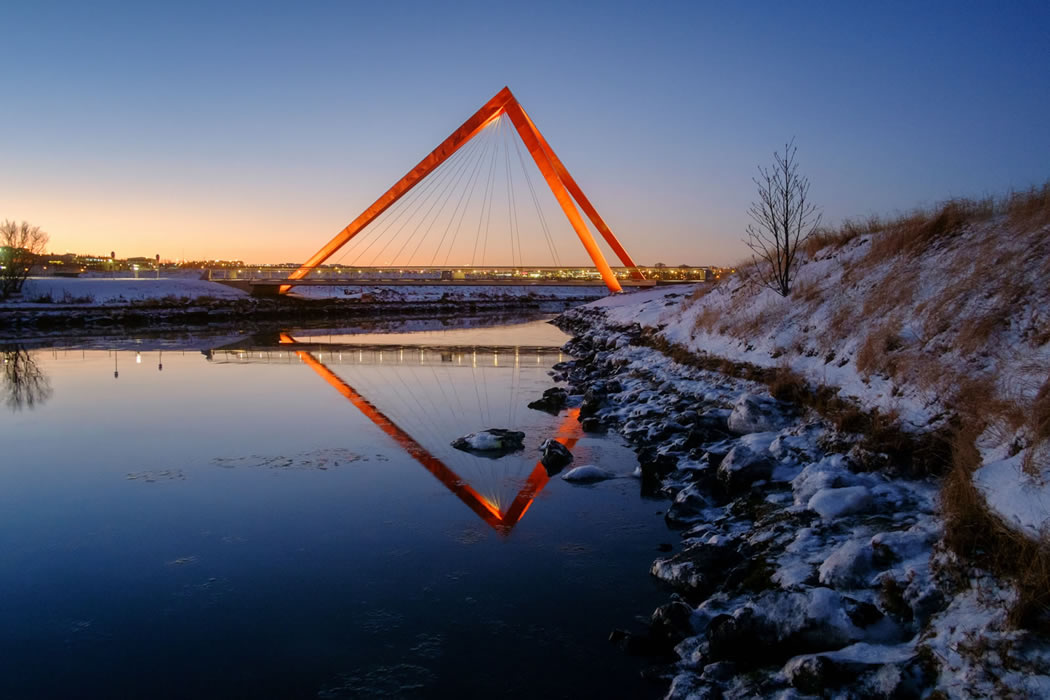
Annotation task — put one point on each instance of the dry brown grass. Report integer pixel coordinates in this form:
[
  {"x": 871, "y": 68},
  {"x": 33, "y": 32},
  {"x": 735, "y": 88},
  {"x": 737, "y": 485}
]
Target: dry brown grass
[
  {"x": 846, "y": 232},
  {"x": 876, "y": 353},
  {"x": 1029, "y": 209},
  {"x": 1037, "y": 459},
  {"x": 895, "y": 290},
  {"x": 980, "y": 401},
  {"x": 839, "y": 323},
  {"x": 1041, "y": 412},
  {"x": 915, "y": 232},
  {"x": 706, "y": 320},
  {"x": 702, "y": 290}
]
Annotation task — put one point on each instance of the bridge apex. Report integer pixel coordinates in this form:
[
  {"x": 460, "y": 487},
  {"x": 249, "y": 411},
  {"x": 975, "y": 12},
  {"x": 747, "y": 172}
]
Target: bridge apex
[{"x": 562, "y": 185}]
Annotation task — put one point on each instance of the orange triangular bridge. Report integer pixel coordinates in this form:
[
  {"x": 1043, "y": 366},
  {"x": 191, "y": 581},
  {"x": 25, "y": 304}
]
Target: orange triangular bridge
[{"x": 553, "y": 170}]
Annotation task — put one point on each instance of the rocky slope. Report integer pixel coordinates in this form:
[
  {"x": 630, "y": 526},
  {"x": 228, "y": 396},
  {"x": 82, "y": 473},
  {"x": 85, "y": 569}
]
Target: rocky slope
[{"x": 808, "y": 565}]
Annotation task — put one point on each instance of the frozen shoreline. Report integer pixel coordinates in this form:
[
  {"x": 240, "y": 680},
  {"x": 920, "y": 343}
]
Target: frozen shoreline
[
  {"x": 122, "y": 291},
  {"x": 106, "y": 305},
  {"x": 800, "y": 570}
]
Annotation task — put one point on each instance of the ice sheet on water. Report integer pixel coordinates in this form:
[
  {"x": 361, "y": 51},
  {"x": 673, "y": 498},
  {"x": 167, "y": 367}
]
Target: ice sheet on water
[{"x": 323, "y": 460}]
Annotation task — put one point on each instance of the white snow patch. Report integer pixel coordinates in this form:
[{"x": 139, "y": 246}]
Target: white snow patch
[
  {"x": 814, "y": 608},
  {"x": 588, "y": 473},
  {"x": 829, "y": 472},
  {"x": 752, "y": 414},
  {"x": 847, "y": 565},
  {"x": 119, "y": 290},
  {"x": 833, "y": 503},
  {"x": 484, "y": 441},
  {"x": 1020, "y": 500}
]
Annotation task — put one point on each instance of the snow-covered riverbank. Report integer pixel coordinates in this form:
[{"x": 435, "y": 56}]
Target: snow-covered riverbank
[
  {"x": 49, "y": 292},
  {"x": 803, "y": 569},
  {"x": 85, "y": 305}
]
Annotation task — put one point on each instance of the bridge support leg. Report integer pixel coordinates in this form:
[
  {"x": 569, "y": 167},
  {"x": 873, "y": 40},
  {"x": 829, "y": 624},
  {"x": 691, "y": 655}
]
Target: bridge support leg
[{"x": 530, "y": 137}]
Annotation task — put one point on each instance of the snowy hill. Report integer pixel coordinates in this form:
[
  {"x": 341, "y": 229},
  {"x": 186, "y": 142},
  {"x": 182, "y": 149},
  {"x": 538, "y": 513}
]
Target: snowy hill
[
  {"x": 930, "y": 330},
  {"x": 937, "y": 318}
]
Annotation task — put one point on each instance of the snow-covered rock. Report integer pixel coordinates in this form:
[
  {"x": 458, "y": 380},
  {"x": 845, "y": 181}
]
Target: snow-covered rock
[
  {"x": 749, "y": 461},
  {"x": 554, "y": 455},
  {"x": 698, "y": 568},
  {"x": 755, "y": 414},
  {"x": 588, "y": 473},
  {"x": 848, "y": 566},
  {"x": 689, "y": 505},
  {"x": 829, "y": 472},
  {"x": 781, "y": 624},
  {"x": 834, "y": 503},
  {"x": 491, "y": 440},
  {"x": 552, "y": 401}
]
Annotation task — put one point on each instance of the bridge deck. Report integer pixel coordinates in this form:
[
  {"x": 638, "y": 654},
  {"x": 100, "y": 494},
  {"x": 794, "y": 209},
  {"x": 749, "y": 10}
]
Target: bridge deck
[
  {"x": 358, "y": 282},
  {"x": 350, "y": 354}
]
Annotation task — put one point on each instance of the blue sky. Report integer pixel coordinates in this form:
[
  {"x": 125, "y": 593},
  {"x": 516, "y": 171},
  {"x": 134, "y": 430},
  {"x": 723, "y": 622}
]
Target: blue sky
[{"x": 258, "y": 130}]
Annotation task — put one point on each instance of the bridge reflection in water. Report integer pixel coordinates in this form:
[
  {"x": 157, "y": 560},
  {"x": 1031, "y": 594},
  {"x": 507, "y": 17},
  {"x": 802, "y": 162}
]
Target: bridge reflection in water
[{"x": 499, "y": 491}]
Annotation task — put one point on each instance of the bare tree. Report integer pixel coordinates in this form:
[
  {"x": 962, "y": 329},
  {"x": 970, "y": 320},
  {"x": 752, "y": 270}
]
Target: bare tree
[
  {"x": 783, "y": 217},
  {"x": 19, "y": 246}
]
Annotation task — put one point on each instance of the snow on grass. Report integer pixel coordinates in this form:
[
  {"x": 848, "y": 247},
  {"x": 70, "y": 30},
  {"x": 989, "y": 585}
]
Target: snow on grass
[
  {"x": 967, "y": 639},
  {"x": 957, "y": 322},
  {"x": 122, "y": 290},
  {"x": 1018, "y": 498},
  {"x": 118, "y": 290}
]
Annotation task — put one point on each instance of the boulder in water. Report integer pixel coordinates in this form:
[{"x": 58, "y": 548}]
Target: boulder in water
[
  {"x": 553, "y": 400},
  {"x": 554, "y": 456},
  {"x": 492, "y": 442}
]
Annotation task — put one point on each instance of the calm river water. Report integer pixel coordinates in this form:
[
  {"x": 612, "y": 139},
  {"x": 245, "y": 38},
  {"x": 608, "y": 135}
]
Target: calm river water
[{"x": 283, "y": 516}]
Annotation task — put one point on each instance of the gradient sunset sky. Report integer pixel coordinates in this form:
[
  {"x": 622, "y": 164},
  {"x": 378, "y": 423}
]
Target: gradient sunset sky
[{"x": 258, "y": 130}]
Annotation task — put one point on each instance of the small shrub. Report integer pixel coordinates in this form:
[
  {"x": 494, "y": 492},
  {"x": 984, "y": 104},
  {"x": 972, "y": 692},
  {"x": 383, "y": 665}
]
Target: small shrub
[
  {"x": 789, "y": 386},
  {"x": 847, "y": 231},
  {"x": 1041, "y": 413},
  {"x": 706, "y": 320},
  {"x": 66, "y": 298},
  {"x": 1029, "y": 209},
  {"x": 872, "y": 356},
  {"x": 701, "y": 290}
]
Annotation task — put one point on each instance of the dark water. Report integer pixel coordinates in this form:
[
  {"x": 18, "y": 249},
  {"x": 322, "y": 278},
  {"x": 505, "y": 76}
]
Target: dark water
[{"x": 236, "y": 523}]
